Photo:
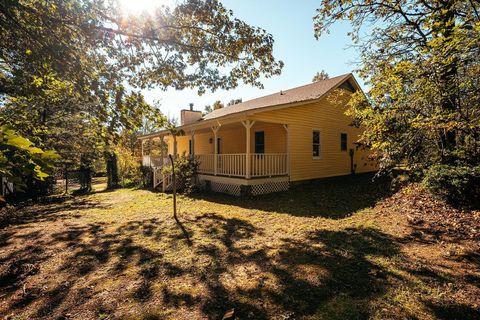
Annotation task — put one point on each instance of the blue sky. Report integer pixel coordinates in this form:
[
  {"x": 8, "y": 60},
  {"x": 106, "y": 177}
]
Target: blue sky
[{"x": 291, "y": 24}]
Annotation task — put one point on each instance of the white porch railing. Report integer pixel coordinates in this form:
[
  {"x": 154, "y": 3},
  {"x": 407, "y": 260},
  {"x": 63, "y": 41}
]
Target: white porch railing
[
  {"x": 231, "y": 164},
  {"x": 153, "y": 161},
  {"x": 269, "y": 164},
  {"x": 235, "y": 165},
  {"x": 206, "y": 163}
]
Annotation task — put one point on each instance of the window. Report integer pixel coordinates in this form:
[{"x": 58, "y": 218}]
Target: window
[
  {"x": 260, "y": 142},
  {"x": 316, "y": 143},
  {"x": 219, "y": 148},
  {"x": 189, "y": 146},
  {"x": 343, "y": 141}
]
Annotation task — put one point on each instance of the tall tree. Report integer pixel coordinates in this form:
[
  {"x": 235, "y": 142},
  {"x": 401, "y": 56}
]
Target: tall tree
[
  {"x": 234, "y": 102},
  {"x": 207, "y": 109},
  {"x": 319, "y": 76},
  {"x": 75, "y": 68},
  {"x": 421, "y": 60},
  {"x": 217, "y": 105}
]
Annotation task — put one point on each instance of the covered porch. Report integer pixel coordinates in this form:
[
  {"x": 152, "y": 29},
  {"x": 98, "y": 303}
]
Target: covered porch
[
  {"x": 244, "y": 152},
  {"x": 254, "y": 165}
]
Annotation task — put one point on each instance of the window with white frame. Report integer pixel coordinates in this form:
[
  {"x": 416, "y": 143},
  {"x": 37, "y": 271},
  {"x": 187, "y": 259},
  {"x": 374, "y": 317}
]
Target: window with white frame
[
  {"x": 343, "y": 141},
  {"x": 316, "y": 143},
  {"x": 259, "y": 142}
]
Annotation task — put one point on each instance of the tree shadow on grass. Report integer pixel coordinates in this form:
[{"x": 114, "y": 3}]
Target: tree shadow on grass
[
  {"x": 340, "y": 268},
  {"x": 454, "y": 311},
  {"x": 297, "y": 278},
  {"x": 49, "y": 210},
  {"x": 329, "y": 274},
  {"x": 333, "y": 198},
  {"x": 346, "y": 271}
]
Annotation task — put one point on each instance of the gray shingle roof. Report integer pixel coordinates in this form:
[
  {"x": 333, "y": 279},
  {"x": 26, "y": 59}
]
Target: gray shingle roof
[{"x": 304, "y": 93}]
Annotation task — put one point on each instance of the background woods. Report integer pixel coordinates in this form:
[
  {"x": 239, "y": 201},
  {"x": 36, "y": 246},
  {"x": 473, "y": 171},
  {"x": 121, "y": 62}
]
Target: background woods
[
  {"x": 421, "y": 62},
  {"x": 71, "y": 72}
]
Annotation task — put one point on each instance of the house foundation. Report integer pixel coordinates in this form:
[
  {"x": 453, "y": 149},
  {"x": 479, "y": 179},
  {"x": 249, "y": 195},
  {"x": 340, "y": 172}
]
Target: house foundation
[{"x": 244, "y": 187}]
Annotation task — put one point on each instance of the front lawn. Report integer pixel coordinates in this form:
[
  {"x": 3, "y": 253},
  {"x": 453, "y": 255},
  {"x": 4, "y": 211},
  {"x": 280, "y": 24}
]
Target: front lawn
[{"x": 337, "y": 249}]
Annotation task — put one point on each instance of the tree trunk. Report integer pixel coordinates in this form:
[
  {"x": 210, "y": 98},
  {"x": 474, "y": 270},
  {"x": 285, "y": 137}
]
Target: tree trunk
[
  {"x": 112, "y": 170},
  {"x": 85, "y": 173},
  {"x": 448, "y": 82},
  {"x": 174, "y": 184}
]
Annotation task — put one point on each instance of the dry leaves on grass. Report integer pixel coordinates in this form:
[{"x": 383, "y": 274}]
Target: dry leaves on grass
[{"x": 432, "y": 216}]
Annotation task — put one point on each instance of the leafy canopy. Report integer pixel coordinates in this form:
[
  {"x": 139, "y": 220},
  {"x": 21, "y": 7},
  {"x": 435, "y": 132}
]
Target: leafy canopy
[
  {"x": 19, "y": 157},
  {"x": 421, "y": 60},
  {"x": 72, "y": 71},
  {"x": 319, "y": 76}
]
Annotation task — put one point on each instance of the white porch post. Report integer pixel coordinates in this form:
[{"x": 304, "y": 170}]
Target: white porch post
[
  {"x": 150, "y": 144},
  {"x": 248, "y": 160},
  {"x": 174, "y": 146},
  {"x": 162, "y": 152},
  {"x": 215, "y": 152},
  {"x": 285, "y": 126},
  {"x": 193, "y": 144},
  {"x": 142, "y": 142}
]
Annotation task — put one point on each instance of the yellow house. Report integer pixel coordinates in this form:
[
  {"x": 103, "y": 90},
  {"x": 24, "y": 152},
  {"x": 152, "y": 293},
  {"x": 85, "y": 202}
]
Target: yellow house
[{"x": 260, "y": 146}]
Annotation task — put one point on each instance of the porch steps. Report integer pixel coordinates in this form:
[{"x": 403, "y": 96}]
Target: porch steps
[{"x": 162, "y": 179}]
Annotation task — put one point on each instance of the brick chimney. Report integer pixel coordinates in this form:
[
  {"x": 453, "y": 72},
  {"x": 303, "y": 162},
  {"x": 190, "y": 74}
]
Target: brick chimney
[{"x": 189, "y": 116}]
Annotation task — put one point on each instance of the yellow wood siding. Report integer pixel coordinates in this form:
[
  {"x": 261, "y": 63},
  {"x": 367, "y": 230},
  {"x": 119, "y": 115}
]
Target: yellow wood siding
[
  {"x": 330, "y": 120},
  {"x": 232, "y": 140},
  {"x": 275, "y": 137},
  {"x": 325, "y": 116},
  {"x": 202, "y": 143}
]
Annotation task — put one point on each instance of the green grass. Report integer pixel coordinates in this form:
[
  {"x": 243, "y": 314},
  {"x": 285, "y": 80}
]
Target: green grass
[{"x": 323, "y": 250}]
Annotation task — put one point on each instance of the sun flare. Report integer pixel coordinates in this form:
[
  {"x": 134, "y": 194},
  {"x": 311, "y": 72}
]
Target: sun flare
[{"x": 139, "y": 6}]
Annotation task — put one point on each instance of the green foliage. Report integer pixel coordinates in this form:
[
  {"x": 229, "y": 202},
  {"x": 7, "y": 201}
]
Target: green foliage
[
  {"x": 458, "y": 184},
  {"x": 71, "y": 71},
  {"x": 129, "y": 170},
  {"x": 207, "y": 110},
  {"x": 186, "y": 169},
  {"x": 319, "y": 76},
  {"x": 421, "y": 60},
  {"x": 217, "y": 105},
  {"x": 20, "y": 160},
  {"x": 234, "y": 102}
]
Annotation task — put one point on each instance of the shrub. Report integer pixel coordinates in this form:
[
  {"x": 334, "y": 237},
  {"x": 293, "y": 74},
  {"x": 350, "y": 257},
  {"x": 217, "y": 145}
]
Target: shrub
[
  {"x": 129, "y": 168},
  {"x": 147, "y": 176},
  {"x": 186, "y": 169},
  {"x": 456, "y": 184}
]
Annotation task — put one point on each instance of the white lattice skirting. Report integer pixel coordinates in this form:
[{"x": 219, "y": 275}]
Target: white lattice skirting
[
  {"x": 180, "y": 185},
  {"x": 232, "y": 189},
  {"x": 269, "y": 187},
  {"x": 240, "y": 187}
]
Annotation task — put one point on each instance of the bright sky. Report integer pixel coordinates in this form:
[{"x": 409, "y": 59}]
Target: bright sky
[{"x": 290, "y": 23}]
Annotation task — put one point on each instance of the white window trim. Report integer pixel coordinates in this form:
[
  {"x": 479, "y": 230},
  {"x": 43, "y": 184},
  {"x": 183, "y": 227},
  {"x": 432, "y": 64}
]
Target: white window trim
[{"x": 319, "y": 144}]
